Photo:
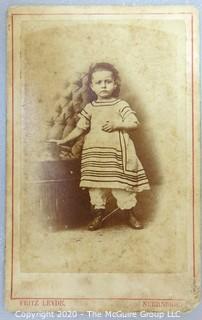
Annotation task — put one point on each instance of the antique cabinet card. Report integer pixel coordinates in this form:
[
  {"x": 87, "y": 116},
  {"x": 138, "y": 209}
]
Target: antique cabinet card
[{"x": 145, "y": 60}]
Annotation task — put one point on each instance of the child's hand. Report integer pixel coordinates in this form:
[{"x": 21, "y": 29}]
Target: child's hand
[
  {"x": 65, "y": 153},
  {"x": 109, "y": 126}
]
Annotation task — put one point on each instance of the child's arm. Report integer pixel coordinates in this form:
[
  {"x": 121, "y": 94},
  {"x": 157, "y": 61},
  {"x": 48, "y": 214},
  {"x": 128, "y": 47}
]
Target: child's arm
[
  {"x": 77, "y": 132},
  {"x": 113, "y": 125}
]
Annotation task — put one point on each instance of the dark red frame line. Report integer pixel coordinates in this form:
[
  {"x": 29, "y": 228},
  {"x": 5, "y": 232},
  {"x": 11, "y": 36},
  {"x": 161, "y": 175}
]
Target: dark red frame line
[
  {"x": 98, "y": 13},
  {"x": 118, "y": 298},
  {"x": 12, "y": 170},
  {"x": 13, "y": 155},
  {"x": 193, "y": 144}
]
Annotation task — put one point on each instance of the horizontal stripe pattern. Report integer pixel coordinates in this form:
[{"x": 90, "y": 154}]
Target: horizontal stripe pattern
[
  {"x": 94, "y": 182},
  {"x": 103, "y": 167},
  {"x": 118, "y": 175}
]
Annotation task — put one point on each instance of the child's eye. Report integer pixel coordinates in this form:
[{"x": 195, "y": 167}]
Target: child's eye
[{"x": 109, "y": 81}]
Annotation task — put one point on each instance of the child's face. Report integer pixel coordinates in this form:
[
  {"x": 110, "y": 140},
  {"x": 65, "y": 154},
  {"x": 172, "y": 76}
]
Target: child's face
[{"x": 103, "y": 84}]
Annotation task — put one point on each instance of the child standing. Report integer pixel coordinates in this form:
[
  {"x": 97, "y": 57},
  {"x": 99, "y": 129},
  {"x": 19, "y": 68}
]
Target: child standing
[{"x": 109, "y": 159}]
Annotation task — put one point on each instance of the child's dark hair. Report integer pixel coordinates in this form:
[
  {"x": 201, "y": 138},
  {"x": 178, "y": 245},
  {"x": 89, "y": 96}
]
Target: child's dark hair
[{"x": 104, "y": 66}]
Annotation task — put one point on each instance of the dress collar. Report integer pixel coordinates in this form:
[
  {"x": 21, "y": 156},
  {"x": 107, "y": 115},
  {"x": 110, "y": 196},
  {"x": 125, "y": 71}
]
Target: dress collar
[{"x": 105, "y": 103}]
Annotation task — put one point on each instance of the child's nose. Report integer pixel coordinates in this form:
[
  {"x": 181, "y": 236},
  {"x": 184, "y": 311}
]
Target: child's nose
[{"x": 103, "y": 84}]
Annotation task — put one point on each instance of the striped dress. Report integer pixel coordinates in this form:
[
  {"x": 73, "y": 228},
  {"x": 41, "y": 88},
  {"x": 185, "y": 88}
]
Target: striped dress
[{"x": 109, "y": 160}]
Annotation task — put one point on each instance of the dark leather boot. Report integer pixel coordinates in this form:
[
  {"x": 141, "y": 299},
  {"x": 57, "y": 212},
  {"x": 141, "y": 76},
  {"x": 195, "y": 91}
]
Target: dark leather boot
[
  {"x": 132, "y": 220},
  {"x": 96, "y": 223}
]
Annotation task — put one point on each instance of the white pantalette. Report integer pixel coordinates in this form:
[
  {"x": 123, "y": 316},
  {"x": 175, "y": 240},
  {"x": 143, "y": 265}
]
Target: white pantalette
[{"x": 125, "y": 199}]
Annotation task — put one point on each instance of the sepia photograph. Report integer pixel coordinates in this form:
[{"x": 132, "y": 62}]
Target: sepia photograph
[{"x": 103, "y": 158}]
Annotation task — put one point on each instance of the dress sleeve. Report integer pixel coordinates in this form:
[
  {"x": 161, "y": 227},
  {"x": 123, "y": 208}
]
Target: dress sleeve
[
  {"x": 127, "y": 114},
  {"x": 84, "y": 118}
]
